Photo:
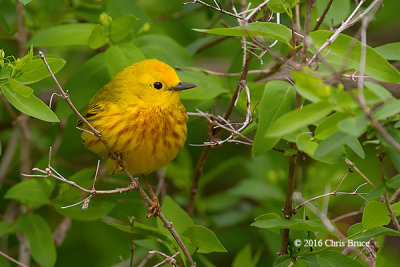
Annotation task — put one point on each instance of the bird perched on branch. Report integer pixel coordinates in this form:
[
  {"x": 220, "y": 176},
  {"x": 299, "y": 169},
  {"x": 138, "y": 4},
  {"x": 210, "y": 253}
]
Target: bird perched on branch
[{"x": 141, "y": 119}]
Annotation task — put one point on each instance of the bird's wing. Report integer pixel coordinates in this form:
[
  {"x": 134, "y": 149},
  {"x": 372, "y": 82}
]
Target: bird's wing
[{"x": 92, "y": 109}]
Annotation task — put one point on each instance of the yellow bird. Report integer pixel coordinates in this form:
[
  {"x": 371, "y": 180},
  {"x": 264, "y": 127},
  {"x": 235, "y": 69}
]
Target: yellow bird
[{"x": 141, "y": 118}]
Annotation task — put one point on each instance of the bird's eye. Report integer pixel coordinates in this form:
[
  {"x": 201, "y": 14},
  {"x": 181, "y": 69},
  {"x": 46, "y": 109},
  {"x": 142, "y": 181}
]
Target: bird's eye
[{"x": 157, "y": 85}]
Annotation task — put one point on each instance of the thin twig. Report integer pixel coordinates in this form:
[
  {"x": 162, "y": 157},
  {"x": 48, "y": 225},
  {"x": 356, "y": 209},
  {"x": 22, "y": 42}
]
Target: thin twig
[
  {"x": 334, "y": 193},
  {"x": 170, "y": 259},
  {"x": 346, "y": 215},
  {"x": 349, "y": 22},
  {"x": 132, "y": 245},
  {"x": 66, "y": 97},
  {"x": 220, "y": 73},
  {"x": 354, "y": 167},
  {"x": 361, "y": 99},
  {"x": 215, "y": 8},
  {"x": 12, "y": 259},
  {"x": 322, "y": 17},
  {"x": 325, "y": 220},
  {"x": 380, "y": 156}
]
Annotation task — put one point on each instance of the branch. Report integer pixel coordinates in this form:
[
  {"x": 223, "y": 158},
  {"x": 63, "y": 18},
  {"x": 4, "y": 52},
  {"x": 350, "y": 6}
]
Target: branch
[
  {"x": 334, "y": 193},
  {"x": 322, "y": 17},
  {"x": 170, "y": 259},
  {"x": 203, "y": 157},
  {"x": 346, "y": 215},
  {"x": 215, "y": 8},
  {"x": 134, "y": 181},
  {"x": 325, "y": 220},
  {"x": 380, "y": 156},
  {"x": 132, "y": 245},
  {"x": 354, "y": 167},
  {"x": 209, "y": 72},
  {"x": 349, "y": 22},
  {"x": 288, "y": 211},
  {"x": 12, "y": 259}
]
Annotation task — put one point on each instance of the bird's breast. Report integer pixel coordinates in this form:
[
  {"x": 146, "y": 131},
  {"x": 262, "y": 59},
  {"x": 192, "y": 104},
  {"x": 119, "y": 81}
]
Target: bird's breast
[{"x": 148, "y": 138}]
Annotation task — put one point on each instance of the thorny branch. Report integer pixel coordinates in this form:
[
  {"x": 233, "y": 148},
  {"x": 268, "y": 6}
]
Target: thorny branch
[{"x": 51, "y": 172}]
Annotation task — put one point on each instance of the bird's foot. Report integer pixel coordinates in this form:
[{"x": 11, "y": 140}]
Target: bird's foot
[
  {"x": 154, "y": 209},
  {"x": 119, "y": 164}
]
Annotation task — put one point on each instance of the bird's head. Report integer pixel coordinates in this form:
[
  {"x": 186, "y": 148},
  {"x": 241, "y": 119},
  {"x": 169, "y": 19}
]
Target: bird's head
[{"x": 151, "y": 81}]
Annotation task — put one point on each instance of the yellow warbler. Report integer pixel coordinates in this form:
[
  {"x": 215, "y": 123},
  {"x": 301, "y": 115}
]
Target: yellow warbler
[{"x": 140, "y": 117}]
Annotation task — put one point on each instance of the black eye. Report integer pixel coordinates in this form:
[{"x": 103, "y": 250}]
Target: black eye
[{"x": 157, "y": 85}]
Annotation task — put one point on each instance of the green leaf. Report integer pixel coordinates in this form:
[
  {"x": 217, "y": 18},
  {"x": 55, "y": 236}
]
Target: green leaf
[
  {"x": 118, "y": 57},
  {"x": 354, "y": 126},
  {"x": 389, "y": 51},
  {"x": 31, "y": 105},
  {"x": 329, "y": 125},
  {"x": 282, "y": 6},
  {"x": 63, "y": 35},
  {"x": 388, "y": 109},
  {"x": 32, "y": 193},
  {"x": 376, "y": 66},
  {"x": 208, "y": 87},
  {"x": 38, "y": 233},
  {"x": 292, "y": 224},
  {"x": 68, "y": 195},
  {"x": 277, "y": 100},
  {"x": 36, "y": 70},
  {"x": 267, "y": 216},
  {"x": 355, "y": 145},
  {"x": 98, "y": 37},
  {"x": 204, "y": 239},
  {"x": 3, "y": 22},
  {"x": 375, "y": 214},
  {"x": 268, "y": 30},
  {"x": 154, "y": 46},
  {"x": 299, "y": 118},
  {"x": 140, "y": 230},
  {"x": 95, "y": 211},
  {"x": 18, "y": 87},
  {"x": 331, "y": 258},
  {"x": 311, "y": 87},
  {"x": 256, "y": 189},
  {"x": 377, "y": 231},
  {"x": 282, "y": 261},
  {"x": 25, "y": 2},
  {"x": 396, "y": 208},
  {"x": 243, "y": 257},
  {"x": 121, "y": 27},
  {"x": 394, "y": 182},
  {"x": 175, "y": 214},
  {"x": 333, "y": 142},
  {"x": 381, "y": 92},
  {"x": 376, "y": 192},
  {"x": 338, "y": 12},
  {"x": 304, "y": 143}
]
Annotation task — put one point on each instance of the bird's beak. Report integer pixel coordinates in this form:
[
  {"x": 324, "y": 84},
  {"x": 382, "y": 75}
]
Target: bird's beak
[{"x": 183, "y": 86}]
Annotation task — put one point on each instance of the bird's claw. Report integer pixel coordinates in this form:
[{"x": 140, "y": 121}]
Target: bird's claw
[
  {"x": 153, "y": 209},
  {"x": 119, "y": 164}
]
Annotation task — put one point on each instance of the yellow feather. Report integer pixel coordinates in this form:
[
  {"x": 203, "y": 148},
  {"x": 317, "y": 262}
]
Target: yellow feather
[{"x": 143, "y": 124}]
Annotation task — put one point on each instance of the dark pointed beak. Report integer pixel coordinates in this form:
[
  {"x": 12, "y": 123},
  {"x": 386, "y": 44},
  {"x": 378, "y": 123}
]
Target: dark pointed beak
[{"x": 183, "y": 86}]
